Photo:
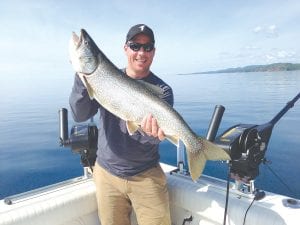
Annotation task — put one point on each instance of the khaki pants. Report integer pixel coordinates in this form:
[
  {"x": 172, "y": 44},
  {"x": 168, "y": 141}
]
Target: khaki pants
[{"x": 146, "y": 193}]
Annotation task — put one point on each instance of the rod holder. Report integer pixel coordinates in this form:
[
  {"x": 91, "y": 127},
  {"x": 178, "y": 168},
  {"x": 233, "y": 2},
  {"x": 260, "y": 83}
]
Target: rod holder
[
  {"x": 215, "y": 122},
  {"x": 63, "y": 126}
]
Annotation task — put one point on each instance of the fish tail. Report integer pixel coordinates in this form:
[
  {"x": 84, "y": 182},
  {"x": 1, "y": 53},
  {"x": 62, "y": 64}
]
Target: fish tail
[{"x": 199, "y": 153}]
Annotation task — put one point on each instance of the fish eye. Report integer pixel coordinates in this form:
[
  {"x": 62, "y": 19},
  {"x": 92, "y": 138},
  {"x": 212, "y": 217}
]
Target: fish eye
[{"x": 87, "y": 59}]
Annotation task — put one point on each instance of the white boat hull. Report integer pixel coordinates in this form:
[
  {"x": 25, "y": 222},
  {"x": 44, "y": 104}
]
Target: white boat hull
[{"x": 74, "y": 202}]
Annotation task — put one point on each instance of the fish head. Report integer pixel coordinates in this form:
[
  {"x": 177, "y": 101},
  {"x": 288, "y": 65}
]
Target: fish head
[{"x": 83, "y": 53}]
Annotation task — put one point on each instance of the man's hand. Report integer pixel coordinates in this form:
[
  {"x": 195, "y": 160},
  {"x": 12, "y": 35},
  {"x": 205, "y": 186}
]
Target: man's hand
[{"x": 150, "y": 127}]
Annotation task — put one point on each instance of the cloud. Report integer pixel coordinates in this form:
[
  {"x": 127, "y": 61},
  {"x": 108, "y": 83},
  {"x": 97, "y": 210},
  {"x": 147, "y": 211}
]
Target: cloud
[
  {"x": 257, "y": 29},
  {"x": 270, "y": 31},
  {"x": 272, "y": 28},
  {"x": 280, "y": 55},
  {"x": 251, "y": 47}
]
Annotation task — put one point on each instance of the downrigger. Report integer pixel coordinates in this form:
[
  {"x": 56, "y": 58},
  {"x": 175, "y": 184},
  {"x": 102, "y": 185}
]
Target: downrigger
[{"x": 247, "y": 145}]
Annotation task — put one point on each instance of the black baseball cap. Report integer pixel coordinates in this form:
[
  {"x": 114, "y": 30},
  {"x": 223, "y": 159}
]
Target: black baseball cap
[{"x": 140, "y": 29}]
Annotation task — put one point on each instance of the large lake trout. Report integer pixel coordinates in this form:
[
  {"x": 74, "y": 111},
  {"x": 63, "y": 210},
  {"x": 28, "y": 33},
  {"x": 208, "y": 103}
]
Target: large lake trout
[{"x": 132, "y": 100}]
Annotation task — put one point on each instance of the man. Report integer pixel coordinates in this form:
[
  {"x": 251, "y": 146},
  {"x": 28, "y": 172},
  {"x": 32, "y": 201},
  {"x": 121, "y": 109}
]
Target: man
[{"x": 127, "y": 173}]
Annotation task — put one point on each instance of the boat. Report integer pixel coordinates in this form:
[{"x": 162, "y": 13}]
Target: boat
[
  {"x": 73, "y": 202},
  {"x": 206, "y": 201}
]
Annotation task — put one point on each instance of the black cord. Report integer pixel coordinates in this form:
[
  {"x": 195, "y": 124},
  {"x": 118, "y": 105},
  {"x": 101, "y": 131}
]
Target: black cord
[
  {"x": 258, "y": 196},
  {"x": 227, "y": 193},
  {"x": 248, "y": 210}
]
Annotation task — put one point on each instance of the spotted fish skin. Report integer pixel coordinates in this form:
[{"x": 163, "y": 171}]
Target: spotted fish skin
[{"x": 132, "y": 100}]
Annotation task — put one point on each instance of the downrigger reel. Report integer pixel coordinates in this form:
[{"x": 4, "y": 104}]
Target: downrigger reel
[{"x": 247, "y": 145}]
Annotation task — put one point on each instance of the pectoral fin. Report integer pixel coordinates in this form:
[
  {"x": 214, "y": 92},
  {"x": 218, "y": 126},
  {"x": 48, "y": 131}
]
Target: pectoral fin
[
  {"x": 86, "y": 84},
  {"x": 132, "y": 127},
  {"x": 173, "y": 139}
]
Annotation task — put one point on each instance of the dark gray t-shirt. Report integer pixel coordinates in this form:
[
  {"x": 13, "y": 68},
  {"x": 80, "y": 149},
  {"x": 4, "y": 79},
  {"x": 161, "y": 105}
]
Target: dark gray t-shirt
[{"x": 118, "y": 152}]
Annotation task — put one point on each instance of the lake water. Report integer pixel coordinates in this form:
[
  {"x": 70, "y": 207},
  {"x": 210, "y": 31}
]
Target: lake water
[{"x": 30, "y": 156}]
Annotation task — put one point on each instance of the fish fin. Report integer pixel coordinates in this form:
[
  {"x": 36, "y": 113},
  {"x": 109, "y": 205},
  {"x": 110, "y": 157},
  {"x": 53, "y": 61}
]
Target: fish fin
[
  {"x": 214, "y": 152},
  {"x": 156, "y": 90},
  {"x": 132, "y": 127},
  {"x": 89, "y": 89},
  {"x": 173, "y": 139},
  {"x": 206, "y": 151},
  {"x": 86, "y": 84},
  {"x": 196, "y": 162}
]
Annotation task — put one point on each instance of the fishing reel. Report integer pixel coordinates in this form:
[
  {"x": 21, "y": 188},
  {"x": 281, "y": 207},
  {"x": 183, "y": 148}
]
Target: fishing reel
[
  {"x": 247, "y": 145},
  {"x": 83, "y": 139}
]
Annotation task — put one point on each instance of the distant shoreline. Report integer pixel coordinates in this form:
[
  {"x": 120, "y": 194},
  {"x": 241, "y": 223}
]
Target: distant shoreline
[{"x": 255, "y": 68}]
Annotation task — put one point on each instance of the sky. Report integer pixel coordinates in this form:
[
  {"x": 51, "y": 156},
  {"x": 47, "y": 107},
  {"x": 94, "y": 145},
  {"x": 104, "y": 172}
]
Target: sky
[{"x": 191, "y": 36}]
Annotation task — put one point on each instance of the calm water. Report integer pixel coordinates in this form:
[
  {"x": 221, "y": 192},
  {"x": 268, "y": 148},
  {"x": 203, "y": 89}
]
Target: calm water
[{"x": 30, "y": 156}]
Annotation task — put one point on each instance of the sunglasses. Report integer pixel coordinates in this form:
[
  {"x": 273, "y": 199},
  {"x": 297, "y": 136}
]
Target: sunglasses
[{"x": 148, "y": 47}]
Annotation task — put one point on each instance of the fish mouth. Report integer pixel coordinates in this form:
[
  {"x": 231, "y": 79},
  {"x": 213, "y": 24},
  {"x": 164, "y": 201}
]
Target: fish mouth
[{"x": 77, "y": 40}]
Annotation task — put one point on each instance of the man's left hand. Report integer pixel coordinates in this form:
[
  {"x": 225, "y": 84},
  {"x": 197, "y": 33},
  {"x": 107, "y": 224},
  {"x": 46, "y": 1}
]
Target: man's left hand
[{"x": 150, "y": 127}]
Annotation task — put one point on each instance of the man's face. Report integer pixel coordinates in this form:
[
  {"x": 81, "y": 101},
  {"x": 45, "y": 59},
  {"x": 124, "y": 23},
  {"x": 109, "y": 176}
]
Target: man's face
[{"x": 139, "y": 61}]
